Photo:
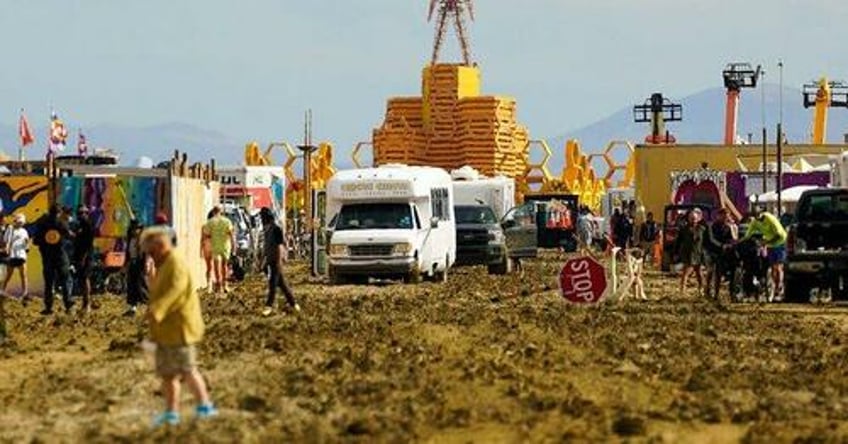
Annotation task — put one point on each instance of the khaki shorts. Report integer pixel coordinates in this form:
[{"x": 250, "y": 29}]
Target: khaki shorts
[{"x": 175, "y": 360}]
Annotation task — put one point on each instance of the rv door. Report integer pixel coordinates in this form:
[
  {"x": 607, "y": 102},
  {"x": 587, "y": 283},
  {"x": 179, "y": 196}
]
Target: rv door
[{"x": 519, "y": 226}]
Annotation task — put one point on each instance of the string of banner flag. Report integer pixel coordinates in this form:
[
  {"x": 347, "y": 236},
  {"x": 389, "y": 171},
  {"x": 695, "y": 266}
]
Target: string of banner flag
[{"x": 57, "y": 137}]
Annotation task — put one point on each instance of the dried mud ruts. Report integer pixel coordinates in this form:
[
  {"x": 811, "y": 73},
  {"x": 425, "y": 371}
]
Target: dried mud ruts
[{"x": 479, "y": 359}]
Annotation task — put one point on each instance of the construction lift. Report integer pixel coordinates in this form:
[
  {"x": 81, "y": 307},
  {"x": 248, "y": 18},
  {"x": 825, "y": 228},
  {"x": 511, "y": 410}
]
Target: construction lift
[
  {"x": 736, "y": 76},
  {"x": 824, "y": 95},
  {"x": 658, "y": 110}
]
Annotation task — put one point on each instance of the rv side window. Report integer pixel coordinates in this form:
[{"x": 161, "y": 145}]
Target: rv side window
[{"x": 439, "y": 203}]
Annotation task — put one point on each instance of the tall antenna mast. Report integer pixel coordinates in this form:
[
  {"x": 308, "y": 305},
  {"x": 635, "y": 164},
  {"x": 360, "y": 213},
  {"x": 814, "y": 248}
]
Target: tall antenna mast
[{"x": 454, "y": 10}]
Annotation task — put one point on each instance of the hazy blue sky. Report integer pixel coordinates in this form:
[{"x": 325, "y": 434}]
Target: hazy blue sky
[{"x": 250, "y": 67}]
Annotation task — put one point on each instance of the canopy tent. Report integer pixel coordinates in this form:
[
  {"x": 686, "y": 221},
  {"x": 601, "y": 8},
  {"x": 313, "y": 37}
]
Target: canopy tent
[{"x": 789, "y": 195}]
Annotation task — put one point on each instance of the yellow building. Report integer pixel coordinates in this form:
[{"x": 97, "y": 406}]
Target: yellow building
[{"x": 655, "y": 163}]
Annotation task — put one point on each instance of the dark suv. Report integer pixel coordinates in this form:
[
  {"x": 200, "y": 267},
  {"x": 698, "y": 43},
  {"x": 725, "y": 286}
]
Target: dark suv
[
  {"x": 818, "y": 245},
  {"x": 480, "y": 239}
]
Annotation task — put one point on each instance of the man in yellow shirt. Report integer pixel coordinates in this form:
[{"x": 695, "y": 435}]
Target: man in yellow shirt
[
  {"x": 176, "y": 325},
  {"x": 768, "y": 226}
]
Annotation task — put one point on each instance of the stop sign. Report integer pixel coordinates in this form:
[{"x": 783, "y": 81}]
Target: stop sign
[{"x": 583, "y": 280}]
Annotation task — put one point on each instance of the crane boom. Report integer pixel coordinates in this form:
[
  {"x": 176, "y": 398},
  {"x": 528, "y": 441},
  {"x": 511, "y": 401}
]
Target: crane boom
[
  {"x": 823, "y": 95},
  {"x": 736, "y": 76}
]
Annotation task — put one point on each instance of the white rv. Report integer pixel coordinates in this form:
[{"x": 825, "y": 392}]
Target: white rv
[
  {"x": 390, "y": 221},
  {"x": 470, "y": 188}
]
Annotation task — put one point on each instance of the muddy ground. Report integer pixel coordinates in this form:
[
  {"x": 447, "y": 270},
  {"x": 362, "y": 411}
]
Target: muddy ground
[{"x": 479, "y": 359}]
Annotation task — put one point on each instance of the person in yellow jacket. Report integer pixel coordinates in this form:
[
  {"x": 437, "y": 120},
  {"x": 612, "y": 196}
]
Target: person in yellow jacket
[
  {"x": 176, "y": 326},
  {"x": 774, "y": 236}
]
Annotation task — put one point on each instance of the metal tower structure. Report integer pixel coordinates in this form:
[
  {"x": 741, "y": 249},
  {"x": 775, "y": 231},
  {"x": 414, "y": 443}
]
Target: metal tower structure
[
  {"x": 658, "y": 110},
  {"x": 453, "y": 10},
  {"x": 824, "y": 95},
  {"x": 736, "y": 76}
]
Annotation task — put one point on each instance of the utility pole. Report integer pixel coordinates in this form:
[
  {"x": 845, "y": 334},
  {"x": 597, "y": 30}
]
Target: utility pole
[
  {"x": 765, "y": 135},
  {"x": 307, "y": 148},
  {"x": 779, "y": 187}
]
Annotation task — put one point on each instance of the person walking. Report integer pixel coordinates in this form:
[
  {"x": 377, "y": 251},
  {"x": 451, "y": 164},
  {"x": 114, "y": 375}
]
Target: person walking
[
  {"x": 585, "y": 230},
  {"x": 83, "y": 253},
  {"x": 275, "y": 257},
  {"x": 206, "y": 251},
  {"x": 768, "y": 226},
  {"x": 221, "y": 234},
  {"x": 16, "y": 239},
  {"x": 176, "y": 327},
  {"x": 623, "y": 230},
  {"x": 718, "y": 244},
  {"x": 649, "y": 235},
  {"x": 136, "y": 269},
  {"x": 51, "y": 237},
  {"x": 690, "y": 244}
]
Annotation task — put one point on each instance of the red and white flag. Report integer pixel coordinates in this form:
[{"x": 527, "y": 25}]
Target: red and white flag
[{"x": 24, "y": 131}]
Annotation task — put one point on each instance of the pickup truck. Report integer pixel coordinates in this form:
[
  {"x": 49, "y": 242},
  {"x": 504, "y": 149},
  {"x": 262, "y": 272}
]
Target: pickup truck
[
  {"x": 817, "y": 248},
  {"x": 483, "y": 240}
]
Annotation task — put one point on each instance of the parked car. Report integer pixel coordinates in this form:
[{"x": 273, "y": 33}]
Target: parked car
[
  {"x": 818, "y": 246},
  {"x": 480, "y": 239},
  {"x": 674, "y": 216}
]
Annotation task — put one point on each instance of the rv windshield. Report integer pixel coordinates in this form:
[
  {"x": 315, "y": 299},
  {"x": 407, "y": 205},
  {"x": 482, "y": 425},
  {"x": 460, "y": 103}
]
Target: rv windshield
[{"x": 375, "y": 216}]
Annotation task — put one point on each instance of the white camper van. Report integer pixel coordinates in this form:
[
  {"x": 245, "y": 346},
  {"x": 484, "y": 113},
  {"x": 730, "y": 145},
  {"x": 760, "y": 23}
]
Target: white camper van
[
  {"x": 470, "y": 188},
  {"x": 390, "y": 221}
]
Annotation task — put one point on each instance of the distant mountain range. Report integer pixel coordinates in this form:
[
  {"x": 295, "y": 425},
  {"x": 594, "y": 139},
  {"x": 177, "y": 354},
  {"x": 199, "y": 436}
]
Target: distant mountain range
[
  {"x": 157, "y": 142},
  {"x": 703, "y": 121}
]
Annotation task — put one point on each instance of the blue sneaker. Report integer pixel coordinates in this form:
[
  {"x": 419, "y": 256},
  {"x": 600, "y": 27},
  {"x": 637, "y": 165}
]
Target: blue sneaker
[
  {"x": 206, "y": 411},
  {"x": 168, "y": 418}
]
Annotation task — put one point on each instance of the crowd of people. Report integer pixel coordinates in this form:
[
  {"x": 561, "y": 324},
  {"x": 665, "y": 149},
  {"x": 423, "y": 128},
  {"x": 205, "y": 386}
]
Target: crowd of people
[
  {"x": 156, "y": 275},
  {"x": 66, "y": 241},
  {"x": 711, "y": 251},
  {"x": 66, "y": 244}
]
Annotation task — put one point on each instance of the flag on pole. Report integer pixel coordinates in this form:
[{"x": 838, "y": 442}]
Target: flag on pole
[
  {"x": 82, "y": 146},
  {"x": 24, "y": 131},
  {"x": 58, "y": 134}
]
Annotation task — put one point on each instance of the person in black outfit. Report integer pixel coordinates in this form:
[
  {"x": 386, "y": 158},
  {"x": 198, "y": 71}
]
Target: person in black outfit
[
  {"x": 275, "y": 257},
  {"x": 623, "y": 230},
  {"x": 136, "y": 263},
  {"x": 649, "y": 234},
  {"x": 718, "y": 245},
  {"x": 83, "y": 252},
  {"x": 51, "y": 236}
]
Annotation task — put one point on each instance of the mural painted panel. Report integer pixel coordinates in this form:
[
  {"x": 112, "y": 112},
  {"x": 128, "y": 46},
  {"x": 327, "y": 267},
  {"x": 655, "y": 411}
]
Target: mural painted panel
[
  {"x": 114, "y": 202},
  {"x": 27, "y": 195}
]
